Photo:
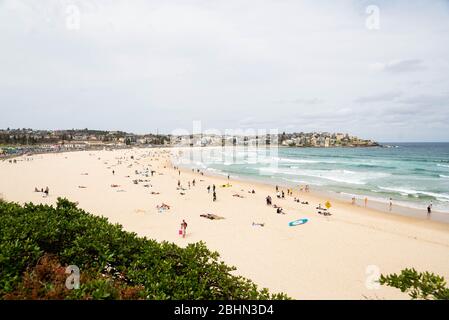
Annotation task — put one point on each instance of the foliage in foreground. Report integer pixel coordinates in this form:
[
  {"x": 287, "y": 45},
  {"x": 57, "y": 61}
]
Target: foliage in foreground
[
  {"x": 37, "y": 242},
  {"x": 419, "y": 285}
]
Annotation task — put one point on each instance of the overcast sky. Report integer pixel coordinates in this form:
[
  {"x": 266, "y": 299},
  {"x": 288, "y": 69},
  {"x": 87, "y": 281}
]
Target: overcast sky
[{"x": 293, "y": 65}]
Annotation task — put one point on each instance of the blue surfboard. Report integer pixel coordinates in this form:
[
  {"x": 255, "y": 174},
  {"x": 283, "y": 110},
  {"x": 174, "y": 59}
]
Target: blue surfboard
[{"x": 297, "y": 222}]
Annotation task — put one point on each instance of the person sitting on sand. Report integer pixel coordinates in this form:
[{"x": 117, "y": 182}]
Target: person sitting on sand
[
  {"x": 36, "y": 189},
  {"x": 278, "y": 195},
  {"x": 237, "y": 195},
  {"x": 279, "y": 210},
  {"x": 163, "y": 206}
]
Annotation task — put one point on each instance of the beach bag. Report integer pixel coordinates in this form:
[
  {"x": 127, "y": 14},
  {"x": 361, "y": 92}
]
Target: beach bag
[{"x": 180, "y": 232}]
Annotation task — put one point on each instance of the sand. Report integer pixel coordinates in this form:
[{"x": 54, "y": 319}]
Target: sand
[{"x": 333, "y": 257}]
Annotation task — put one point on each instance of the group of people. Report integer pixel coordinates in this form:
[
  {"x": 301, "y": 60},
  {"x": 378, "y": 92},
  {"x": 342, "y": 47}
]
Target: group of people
[
  {"x": 214, "y": 194},
  {"x": 45, "y": 191}
]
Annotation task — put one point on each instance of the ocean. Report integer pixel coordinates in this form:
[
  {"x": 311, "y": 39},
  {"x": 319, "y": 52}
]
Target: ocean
[{"x": 412, "y": 174}]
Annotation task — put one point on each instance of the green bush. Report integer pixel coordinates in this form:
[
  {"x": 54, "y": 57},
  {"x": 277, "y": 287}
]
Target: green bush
[
  {"x": 114, "y": 264},
  {"x": 419, "y": 285}
]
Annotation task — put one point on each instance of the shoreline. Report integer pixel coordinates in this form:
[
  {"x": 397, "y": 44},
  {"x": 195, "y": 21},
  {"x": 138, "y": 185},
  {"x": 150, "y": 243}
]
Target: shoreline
[
  {"x": 399, "y": 208},
  {"x": 317, "y": 196}
]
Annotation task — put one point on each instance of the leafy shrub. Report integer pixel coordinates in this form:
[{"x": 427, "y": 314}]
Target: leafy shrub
[
  {"x": 419, "y": 285},
  {"x": 37, "y": 241}
]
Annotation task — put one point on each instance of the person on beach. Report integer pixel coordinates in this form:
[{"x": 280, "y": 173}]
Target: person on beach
[
  {"x": 429, "y": 210},
  {"x": 366, "y": 202},
  {"x": 46, "y": 191},
  {"x": 277, "y": 188},
  {"x": 188, "y": 183},
  {"x": 229, "y": 176},
  {"x": 353, "y": 201},
  {"x": 208, "y": 189},
  {"x": 283, "y": 194},
  {"x": 390, "y": 205},
  {"x": 214, "y": 197},
  {"x": 268, "y": 198},
  {"x": 193, "y": 182},
  {"x": 113, "y": 172},
  {"x": 183, "y": 228},
  {"x": 213, "y": 188}
]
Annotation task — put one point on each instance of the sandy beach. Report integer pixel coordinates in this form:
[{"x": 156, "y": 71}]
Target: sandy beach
[{"x": 329, "y": 257}]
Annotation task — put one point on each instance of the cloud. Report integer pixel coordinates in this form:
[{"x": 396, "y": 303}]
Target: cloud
[
  {"x": 382, "y": 97},
  {"x": 400, "y": 66},
  {"x": 305, "y": 101},
  {"x": 429, "y": 100}
]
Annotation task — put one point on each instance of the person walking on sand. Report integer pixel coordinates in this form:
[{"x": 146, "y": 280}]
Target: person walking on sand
[
  {"x": 213, "y": 188},
  {"x": 390, "y": 205},
  {"x": 429, "y": 210},
  {"x": 183, "y": 228},
  {"x": 208, "y": 189},
  {"x": 229, "y": 176},
  {"x": 179, "y": 183},
  {"x": 47, "y": 191},
  {"x": 366, "y": 202},
  {"x": 193, "y": 182},
  {"x": 113, "y": 172}
]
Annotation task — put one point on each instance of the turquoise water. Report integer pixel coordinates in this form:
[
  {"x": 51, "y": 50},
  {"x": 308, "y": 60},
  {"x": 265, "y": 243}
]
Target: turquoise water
[{"x": 413, "y": 174}]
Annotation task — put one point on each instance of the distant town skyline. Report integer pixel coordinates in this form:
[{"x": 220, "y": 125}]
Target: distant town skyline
[{"x": 375, "y": 69}]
